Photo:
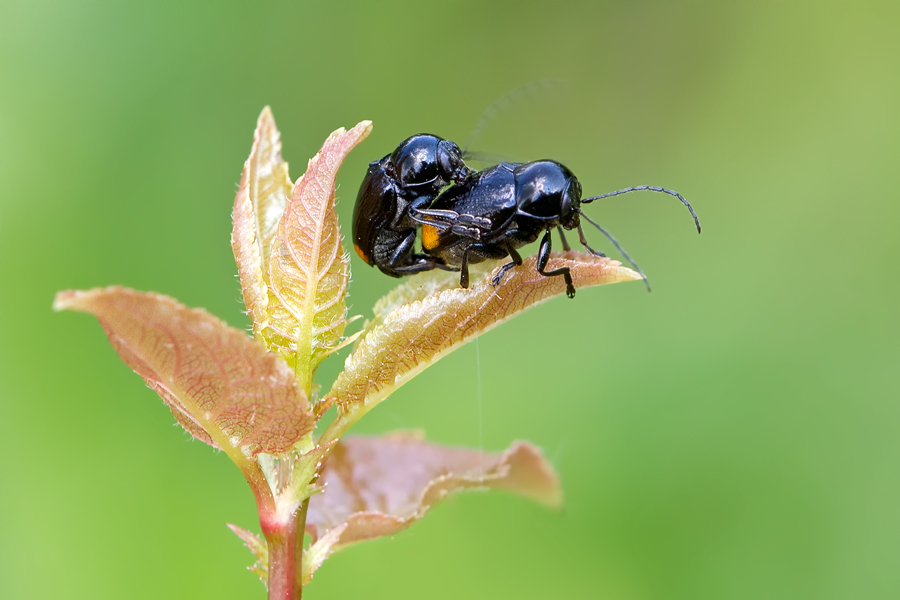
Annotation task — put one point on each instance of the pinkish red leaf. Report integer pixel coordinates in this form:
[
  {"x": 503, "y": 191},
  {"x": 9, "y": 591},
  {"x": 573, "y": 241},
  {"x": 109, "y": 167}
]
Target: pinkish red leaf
[
  {"x": 258, "y": 206},
  {"x": 379, "y": 486},
  {"x": 308, "y": 269},
  {"x": 222, "y": 386}
]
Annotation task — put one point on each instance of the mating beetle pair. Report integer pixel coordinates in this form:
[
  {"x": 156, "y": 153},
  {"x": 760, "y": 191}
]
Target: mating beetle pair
[
  {"x": 485, "y": 215},
  {"x": 412, "y": 176}
]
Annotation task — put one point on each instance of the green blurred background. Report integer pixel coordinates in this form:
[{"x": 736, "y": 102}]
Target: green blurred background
[{"x": 734, "y": 434}]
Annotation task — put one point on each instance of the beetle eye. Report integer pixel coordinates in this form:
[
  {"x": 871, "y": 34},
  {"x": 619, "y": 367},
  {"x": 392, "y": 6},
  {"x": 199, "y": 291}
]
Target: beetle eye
[
  {"x": 569, "y": 203},
  {"x": 449, "y": 159},
  {"x": 565, "y": 205}
]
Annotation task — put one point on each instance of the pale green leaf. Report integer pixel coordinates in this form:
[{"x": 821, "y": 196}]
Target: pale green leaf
[
  {"x": 258, "y": 206},
  {"x": 414, "y": 335},
  {"x": 308, "y": 269}
]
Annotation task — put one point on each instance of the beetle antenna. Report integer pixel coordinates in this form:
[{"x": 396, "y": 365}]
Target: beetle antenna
[
  {"x": 490, "y": 158},
  {"x": 508, "y": 99},
  {"x": 650, "y": 188},
  {"x": 584, "y": 243}
]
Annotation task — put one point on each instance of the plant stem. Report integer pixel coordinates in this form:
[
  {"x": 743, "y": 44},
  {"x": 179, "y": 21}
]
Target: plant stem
[{"x": 285, "y": 541}]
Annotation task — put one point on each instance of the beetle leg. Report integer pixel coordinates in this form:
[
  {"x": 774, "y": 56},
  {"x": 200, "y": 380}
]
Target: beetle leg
[
  {"x": 402, "y": 261},
  {"x": 495, "y": 280},
  {"x": 403, "y": 251},
  {"x": 441, "y": 219},
  {"x": 464, "y": 270},
  {"x": 544, "y": 256},
  {"x": 584, "y": 243},
  {"x": 441, "y": 265},
  {"x": 562, "y": 237},
  {"x": 516, "y": 260},
  {"x": 513, "y": 254},
  {"x": 423, "y": 263}
]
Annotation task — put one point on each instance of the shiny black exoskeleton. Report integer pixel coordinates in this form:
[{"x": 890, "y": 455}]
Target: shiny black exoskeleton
[
  {"x": 493, "y": 213},
  {"x": 384, "y": 234}
]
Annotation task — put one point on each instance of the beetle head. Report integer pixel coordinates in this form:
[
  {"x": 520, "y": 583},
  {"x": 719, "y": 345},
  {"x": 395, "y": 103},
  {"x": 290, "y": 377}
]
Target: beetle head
[
  {"x": 425, "y": 163},
  {"x": 569, "y": 204},
  {"x": 450, "y": 162}
]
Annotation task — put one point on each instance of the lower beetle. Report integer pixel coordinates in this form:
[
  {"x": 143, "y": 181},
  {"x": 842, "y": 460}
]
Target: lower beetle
[
  {"x": 384, "y": 235},
  {"x": 496, "y": 211}
]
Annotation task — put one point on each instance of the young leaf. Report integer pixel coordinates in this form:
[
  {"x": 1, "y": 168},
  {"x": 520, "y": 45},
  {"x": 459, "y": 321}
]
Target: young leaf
[
  {"x": 308, "y": 270},
  {"x": 222, "y": 386},
  {"x": 377, "y": 486},
  {"x": 420, "y": 287},
  {"x": 257, "y": 546},
  {"x": 415, "y": 335},
  {"x": 263, "y": 193},
  {"x": 318, "y": 551}
]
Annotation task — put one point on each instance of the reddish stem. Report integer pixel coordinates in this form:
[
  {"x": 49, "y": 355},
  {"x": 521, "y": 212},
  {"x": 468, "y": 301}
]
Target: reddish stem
[{"x": 285, "y": 542}]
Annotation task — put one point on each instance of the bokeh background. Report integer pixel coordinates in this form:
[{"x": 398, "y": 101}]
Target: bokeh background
[{"x": 733, "y": 434}]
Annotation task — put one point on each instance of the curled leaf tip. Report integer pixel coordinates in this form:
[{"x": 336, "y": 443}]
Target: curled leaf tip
[
  {"x": 531, "y": 475},
  {"x": 64, "y": 300}
]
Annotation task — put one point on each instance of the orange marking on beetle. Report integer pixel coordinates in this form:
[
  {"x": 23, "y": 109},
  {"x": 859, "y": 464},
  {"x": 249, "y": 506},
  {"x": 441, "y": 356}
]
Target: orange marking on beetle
[
  {"x": 362, "y": 254},
  {"x": 430, "y": 237}
]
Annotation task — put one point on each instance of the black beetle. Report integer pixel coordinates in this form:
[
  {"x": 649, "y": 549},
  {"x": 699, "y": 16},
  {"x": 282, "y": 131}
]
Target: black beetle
[
  {"x": 505, "y": 207},
  {"x": 384, "y": 235}
]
